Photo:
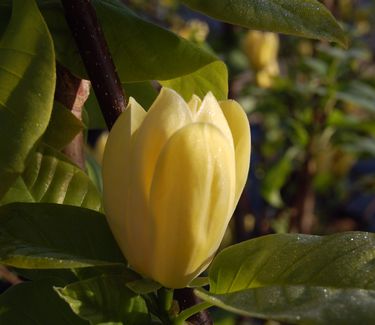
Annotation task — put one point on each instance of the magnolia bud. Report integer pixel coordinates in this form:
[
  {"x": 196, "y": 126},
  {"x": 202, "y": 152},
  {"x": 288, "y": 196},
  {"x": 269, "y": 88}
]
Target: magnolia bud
[
  {"x": 262, "y": 49},
  {"x": 172, "y": 178}
]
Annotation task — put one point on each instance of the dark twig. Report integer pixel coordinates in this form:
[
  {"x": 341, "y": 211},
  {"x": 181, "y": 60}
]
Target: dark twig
[{"x": 82, "y": 20}]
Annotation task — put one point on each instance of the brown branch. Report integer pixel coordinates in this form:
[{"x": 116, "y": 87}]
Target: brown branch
[
  {"x": 86, "y": 30},
  {"x": 9, "y": 276},
  {"x": 73, "y": 93}
]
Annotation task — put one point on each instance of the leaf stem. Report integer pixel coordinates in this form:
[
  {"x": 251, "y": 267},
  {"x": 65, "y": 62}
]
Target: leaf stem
[
  {"x": 165, "y": 296},
  {"x": 187, "y": 313}
]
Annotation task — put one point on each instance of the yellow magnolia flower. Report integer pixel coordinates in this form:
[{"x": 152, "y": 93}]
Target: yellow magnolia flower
[{"x": 172, "y": 178}]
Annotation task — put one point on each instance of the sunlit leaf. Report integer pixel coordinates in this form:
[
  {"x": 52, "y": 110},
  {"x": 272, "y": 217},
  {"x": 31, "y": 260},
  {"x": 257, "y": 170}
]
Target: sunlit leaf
[
  {"x": 27, "y": 79},
  {"x": 297, "y": 278},
  {"x": 51, "y": 178}
]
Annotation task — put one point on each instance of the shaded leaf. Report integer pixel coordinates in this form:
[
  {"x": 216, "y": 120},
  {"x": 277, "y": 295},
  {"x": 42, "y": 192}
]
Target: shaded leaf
[
  {"x": 307, "y": 18},
  {"x": 27, "y": 79},
  {"x": 140, "y": 50},
  {"x": 105, "y": 299},
  {"x": 53, "y": 236},
  {"x": 300, "y": 304},
  {"x": 35, "y": 303}
]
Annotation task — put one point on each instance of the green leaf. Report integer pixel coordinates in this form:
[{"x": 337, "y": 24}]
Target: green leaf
[
  {"x": 35, "y": 303},
  {"x": 199, "y": 282},
  {"x": 360, "y": 94},
  {"x": 141, "y": 51},
  {"x": 307, "y": 18},
  {"x": 27, "y": 79},
  {"x": 62, "y": 128},
  {"x": 297, "y": 259},
  {"x": 298, "y": 278},
  {"x": 299, "y": 304},
  {"x": 212, "y": 77},
  {"x": 105, "y": 299},
  {"x": 347, "y": 122},
  {"x": 53, "y": 236},
  {"x": 51, "y": 178}
]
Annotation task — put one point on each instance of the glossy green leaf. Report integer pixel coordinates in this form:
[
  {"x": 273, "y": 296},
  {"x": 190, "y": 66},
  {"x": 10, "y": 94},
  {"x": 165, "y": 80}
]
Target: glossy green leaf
[
  {"x": 51, "y": 178},
  {"x": 297, "y": 259},
  {"x": 53, "y": 236},
  {"x": 299, "y": 304},
  {"x": 62, "y": 128},
  {"x": 213, "y": 77},
  {"x": 305, "y": 279},
  {"x": 27, "y": 79},
  {"x": 105, "y": 299},
  {"x": 307, "y": 18},
  {"x": 35, "y": 303}
]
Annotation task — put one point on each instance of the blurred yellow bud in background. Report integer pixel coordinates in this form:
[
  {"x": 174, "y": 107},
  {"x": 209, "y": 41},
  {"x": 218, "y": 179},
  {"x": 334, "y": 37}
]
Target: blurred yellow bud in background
[
  {"x": 261, "y": 49},
  {"x": 193, "y": 30},
  {"x": 172, "y": 178}
]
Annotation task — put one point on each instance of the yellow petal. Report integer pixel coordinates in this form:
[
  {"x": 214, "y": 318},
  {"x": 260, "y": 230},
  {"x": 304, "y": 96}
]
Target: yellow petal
[
  {"x": 191, "y": 202},
  {"x": 168, "y": 113},
  {"x": 240, "y": 129},
  {"x": 210, "y": 112},
  {"x": 116, "y": 167},
  {"x": 194, "y": 104}
]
